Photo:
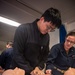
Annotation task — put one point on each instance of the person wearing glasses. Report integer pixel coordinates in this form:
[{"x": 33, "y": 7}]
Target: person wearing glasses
[
  {"x": 62, "y": 56},
  {"x": 31, "y": 42}
]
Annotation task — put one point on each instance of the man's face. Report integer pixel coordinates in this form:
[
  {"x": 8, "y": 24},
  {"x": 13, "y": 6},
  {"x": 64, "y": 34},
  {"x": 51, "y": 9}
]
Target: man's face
[
  {"x": 45, "y": 26},
  {"x": 69, "y": 42},
  {"x": 7, "y": 46}
]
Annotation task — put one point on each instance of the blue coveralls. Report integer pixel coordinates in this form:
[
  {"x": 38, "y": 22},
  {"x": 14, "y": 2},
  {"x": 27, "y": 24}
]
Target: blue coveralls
[{"x": 58, "y": 58}]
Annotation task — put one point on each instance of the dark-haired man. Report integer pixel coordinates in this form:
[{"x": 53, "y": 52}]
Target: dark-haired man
[
  {"x": 62, "y": 56},
  {"x": 31, "y": 42}
]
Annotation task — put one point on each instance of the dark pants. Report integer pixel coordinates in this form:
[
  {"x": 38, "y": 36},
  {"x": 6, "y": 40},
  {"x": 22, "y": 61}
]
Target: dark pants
[{"x": 56, "y": 72}]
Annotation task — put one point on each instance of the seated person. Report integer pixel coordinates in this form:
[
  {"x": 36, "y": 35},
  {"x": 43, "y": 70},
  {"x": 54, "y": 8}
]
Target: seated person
[
  {"x": 61, "y": 56},
  {"x": 16, "y": 71},
  {"x": 6, "y": 56}
]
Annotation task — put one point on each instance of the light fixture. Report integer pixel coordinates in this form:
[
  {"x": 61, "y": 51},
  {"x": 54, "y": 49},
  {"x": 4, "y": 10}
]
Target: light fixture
[{"x": 9, "y": 22}]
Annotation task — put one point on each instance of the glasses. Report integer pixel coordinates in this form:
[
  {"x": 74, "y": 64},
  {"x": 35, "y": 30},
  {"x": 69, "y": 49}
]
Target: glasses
[
  {"x": 71, "y": 42},
  {"x": 50, "y": 28}
]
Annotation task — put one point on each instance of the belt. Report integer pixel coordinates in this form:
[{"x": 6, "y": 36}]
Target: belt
[{"x": 62, "y": 71}]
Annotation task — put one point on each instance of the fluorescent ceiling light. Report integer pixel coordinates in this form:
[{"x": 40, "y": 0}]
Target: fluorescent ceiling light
[{"x": 9, "y": 22}]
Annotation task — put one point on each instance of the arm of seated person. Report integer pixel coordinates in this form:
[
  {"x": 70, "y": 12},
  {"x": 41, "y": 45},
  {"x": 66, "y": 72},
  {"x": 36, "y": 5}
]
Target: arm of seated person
[{"x": 70, "y": 71}]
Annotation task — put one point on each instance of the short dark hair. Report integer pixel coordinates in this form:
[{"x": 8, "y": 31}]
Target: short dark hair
[
  {"x": 52, "y": 15},
  {"x": 10, "y": 43},
  {"x": 72, "y": 33}
]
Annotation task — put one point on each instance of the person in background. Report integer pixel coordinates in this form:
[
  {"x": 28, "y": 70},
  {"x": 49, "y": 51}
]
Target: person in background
[
  {"x": 62, "y": 56},
  {"x": 31, "y": 42},
  {"x": 6, "y": 56}
]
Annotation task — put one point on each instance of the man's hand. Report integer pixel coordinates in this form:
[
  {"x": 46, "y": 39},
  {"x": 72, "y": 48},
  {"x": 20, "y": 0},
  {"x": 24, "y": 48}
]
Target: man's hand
[
  {"x": 1, "y": 70},
  {"x": 37, "y": 71},
  {"x": 48, "y": 72},
  {"x": 70, "y": 71}
]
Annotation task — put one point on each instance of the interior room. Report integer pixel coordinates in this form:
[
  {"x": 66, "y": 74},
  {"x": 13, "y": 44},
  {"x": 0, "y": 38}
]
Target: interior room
[{"x": 24, "y": 11}]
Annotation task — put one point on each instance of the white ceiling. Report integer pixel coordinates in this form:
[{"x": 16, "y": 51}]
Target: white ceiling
[
  {"x": 24, "y": 11},
  {"x": 27, "y": 10}
]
